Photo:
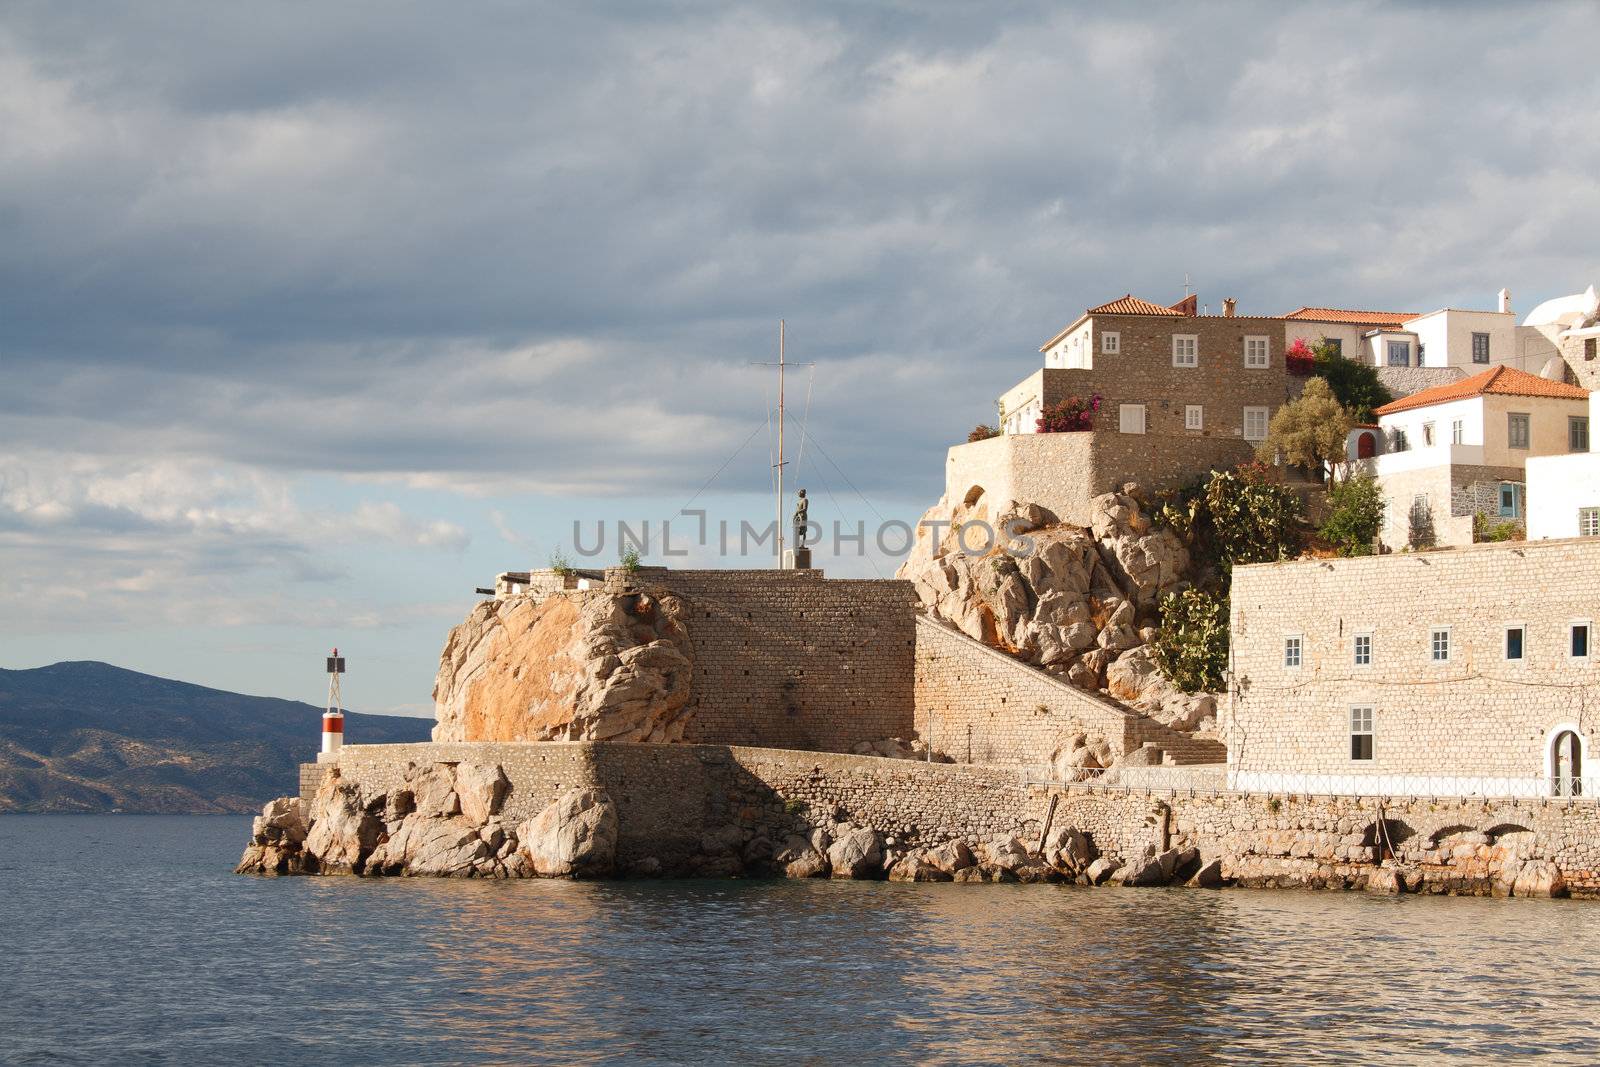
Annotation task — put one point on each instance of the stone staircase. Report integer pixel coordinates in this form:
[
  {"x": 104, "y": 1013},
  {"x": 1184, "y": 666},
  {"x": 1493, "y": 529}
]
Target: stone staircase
[{"x": 1184, "y": 749}]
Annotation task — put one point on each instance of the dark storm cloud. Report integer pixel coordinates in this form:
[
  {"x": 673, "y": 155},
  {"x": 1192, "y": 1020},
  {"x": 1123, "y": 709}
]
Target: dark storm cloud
[{"x": 539, "y": 247}]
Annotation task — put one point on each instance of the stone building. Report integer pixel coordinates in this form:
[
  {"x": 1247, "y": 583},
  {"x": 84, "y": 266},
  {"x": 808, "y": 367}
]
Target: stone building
[
  {"x": 1467, "y": 671},
  {"x": 1450, "y": 454}
]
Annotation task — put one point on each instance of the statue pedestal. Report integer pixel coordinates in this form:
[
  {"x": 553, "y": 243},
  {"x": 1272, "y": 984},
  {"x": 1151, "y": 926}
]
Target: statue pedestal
[{"x": 797, "y": 559}]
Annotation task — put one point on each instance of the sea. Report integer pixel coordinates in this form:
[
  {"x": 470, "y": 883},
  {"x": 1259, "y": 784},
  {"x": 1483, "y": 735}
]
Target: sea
[{"x": 128, "y": 939}]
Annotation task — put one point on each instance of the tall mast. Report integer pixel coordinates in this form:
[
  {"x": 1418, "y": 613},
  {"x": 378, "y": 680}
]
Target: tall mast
[{"x": 780, "y": 442}]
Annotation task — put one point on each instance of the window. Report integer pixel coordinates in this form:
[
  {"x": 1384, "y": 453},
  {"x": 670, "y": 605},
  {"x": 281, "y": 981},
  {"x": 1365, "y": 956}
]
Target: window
[
  {"x": 1335, "y": 345},
  {"x": 1185, "y": 350},
  {"x": 1363, "y": 650},
  {"x": 1398, "y": 441},
  {"x": 1516, "y": 639},
  {"x": 1427, "y": 434},
  {"x": 1194, "y": 417},
  {"x": 1578, "y": 640},
  {"x": 1589, "y": 522},
  {"x": 1439, "y": 644},
  {"x": 1577, "y": 433},
  {"x": 1255, "y": 352},
  {"x": 1111, "y": 342},
  {"x": 1588, "y": 347},
  {"x": 1516, "y": 430},
  {"x": 1508, "y": 500},
  {"x": 1292, "y": 651},
  {"x": 1422, "y": 351},
  {"x": 1458, "y": 432},
  {"x": 1255, "y": 424},
  {"x": 1480, "y": 348},
  {"x": 1399, "y": 353},
  {"x": 1361, "y": 733},
  {"x": 1130, "y": 418}
]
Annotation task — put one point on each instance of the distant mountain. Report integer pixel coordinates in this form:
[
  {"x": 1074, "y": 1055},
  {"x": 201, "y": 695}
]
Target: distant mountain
[{"x": 92, "y": 737}]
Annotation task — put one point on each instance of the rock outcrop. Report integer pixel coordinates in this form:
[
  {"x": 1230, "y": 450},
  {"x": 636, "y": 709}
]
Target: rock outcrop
[
  {"x": 577, "y": 666},
  {"x": 1084, "y": 604},
  {"x": 574, "y": 836}
]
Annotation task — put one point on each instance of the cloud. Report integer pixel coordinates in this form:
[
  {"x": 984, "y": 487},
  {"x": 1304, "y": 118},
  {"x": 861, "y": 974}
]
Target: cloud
[{"x": 532, "y": 253}]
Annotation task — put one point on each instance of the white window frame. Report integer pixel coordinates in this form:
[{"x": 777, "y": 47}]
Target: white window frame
[
  {"x": 1111, "y": 343},
  {"x": 1393, "y": 348},
  {"x": 1355, "y": 648},
  {"x": 1194, "y": 417},
  {"x": 1124, "y": 410},
  {"x": 1588, "y": 640},
  {"x": 1264, "y": 359},
  {"x": 1266, "y": 422},
  {"x": 1186, "y": 350},
  {"x": 1428, "y": 434},
  {"x": 1433, "y": 642},
  {"x": 1505, "y": 635},
  {"x": 1589, "y": 522},
  {"x": 1294, "y": 646},
  {"x": 1458, "y": 431},
  {"x": 1358, "y": 716}
]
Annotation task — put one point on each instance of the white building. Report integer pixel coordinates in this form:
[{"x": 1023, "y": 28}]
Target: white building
[{"x": 1451, "y": 453}]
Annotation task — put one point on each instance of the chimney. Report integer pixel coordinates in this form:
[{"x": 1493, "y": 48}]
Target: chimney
[
  {"x": 1189, "y": 305},
  {"x": 1505, "y": 301},
  {"x": 1229, "y": 305}
]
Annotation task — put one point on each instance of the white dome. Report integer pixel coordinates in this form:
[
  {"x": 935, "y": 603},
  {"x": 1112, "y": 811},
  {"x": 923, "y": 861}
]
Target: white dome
[{"x": 1564, "y": 310}]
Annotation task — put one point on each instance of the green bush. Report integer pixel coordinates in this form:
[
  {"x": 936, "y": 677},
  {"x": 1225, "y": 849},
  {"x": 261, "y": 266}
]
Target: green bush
[
  {"x": 559, "y": 564},
  {"x": 982, "y": 432},
  {"x": 1191, "y": 646},
  {"x": 1485, "y": 529},
  {"x": 1237, "y": 516},
  {"x": 630, "y": 559},
  {"x": 1357, "y": 516}
]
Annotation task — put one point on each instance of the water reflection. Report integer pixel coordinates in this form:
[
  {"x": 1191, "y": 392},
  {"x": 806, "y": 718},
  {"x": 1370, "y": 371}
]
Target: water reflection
[{"x": 154, "y": 951}]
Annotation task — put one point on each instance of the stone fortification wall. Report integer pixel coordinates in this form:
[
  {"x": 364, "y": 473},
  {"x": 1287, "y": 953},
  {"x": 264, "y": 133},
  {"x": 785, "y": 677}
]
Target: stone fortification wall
[
  {"x": 1064, "y": 472},
  {"x": 792, "y": 659},
  {"x": 1475, "y": 714},
  {"x": 669, "y": 797},
  {"x": 674, "y": 803},
  {"x": 978, "y": 705}
]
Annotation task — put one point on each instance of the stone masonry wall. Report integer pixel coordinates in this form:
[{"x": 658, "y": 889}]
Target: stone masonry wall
[
  {"x": 1065, "y": 471},
  {"x": 790, "y": 659},
  {"x": 1476, "y": 714},
  {"x": 976, "y": 704},
  {"x": 668, "y": 796}
]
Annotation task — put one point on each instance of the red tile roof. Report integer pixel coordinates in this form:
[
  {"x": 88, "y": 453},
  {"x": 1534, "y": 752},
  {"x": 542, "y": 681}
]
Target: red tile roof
[
  {"x": 1352, "y": 318},
  {"x": 1498, "y": 381},
  {"x": 1132, "y": 305}
]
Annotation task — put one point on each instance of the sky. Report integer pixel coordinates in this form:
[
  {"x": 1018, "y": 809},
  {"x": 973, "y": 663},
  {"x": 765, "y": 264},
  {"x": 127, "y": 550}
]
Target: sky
[{"x": 315, "y": 317}]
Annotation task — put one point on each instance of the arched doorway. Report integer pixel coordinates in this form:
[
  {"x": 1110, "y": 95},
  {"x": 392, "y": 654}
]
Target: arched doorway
[
  {"x": 1566, "y": 764},
  {"x": 1366, "y": 445}
]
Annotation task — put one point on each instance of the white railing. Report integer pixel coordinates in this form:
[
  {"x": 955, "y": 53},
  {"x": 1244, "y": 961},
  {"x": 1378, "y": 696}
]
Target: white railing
[{"x": 1213, "y": 779}]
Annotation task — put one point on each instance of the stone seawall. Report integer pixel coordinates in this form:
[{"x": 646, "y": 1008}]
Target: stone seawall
[{"x": 717, "y": 810}]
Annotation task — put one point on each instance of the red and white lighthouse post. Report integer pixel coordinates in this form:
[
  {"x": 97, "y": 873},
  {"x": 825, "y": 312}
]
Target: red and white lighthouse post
[{"x": 333, "y": 718}]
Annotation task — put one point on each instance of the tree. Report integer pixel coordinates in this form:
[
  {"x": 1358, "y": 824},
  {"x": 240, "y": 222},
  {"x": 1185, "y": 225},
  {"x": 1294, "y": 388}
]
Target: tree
[
  {"x": 982, "y": 432},
  {"x": 1355, "y": 385},
  {"x": 1310, "y": 430},
  {"x": 1356, "y": 517},
  {"x": 1191, "y": 646}
]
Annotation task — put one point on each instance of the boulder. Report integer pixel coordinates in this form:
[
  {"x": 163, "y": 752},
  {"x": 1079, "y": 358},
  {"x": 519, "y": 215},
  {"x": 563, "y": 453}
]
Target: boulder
[
  {"x": 1068, "y": 848},
  {"x": 1100, "y": 870},
  {"x": 1158, "y": 869},
  {"x": 481, "y": 791},
  {"x": 574, "y": 836},
  {"x": 342, "y": 831},
  {"x": 952, "y": 856},
  {"x": 856, "y": 854},
  {"x": 431, "y": 845},
  {"x": 1209, "y": 876},
  {"x": 433, "y": 790},
  {"x": 579, "y": 666},
  {"x": 807, "y": 864},
  {"x": 915, "y": 868},
  {"x": 1539, "y": 878},
  {"x": 1385, "y": 881}
]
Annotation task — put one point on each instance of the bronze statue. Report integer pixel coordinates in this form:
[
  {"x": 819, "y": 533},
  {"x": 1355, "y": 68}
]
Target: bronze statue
[{"x": 800, "y": 507}]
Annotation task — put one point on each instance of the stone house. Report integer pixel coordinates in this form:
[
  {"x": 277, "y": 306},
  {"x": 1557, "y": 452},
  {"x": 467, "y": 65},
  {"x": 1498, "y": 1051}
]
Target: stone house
[
  {"x": 1466, "y": 671},
  {"x": 1447, "y": 454}
]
